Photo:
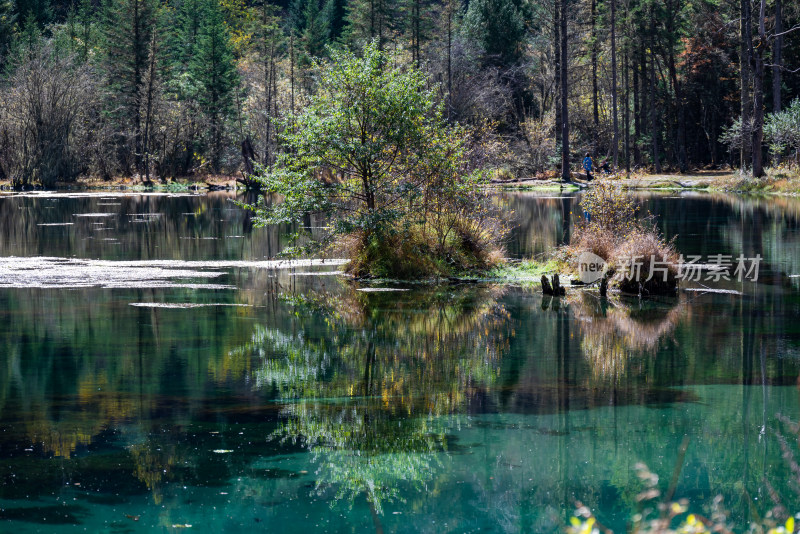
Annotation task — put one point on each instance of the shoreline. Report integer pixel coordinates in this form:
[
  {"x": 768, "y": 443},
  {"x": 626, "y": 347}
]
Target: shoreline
[{"x": 784, "y": 183}]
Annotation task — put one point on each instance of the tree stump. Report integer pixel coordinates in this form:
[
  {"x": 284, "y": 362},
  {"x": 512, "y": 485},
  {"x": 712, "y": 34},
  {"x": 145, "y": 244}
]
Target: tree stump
[
  {"x": 556, "y": 289},
  {"x": 546, "y": 288}
]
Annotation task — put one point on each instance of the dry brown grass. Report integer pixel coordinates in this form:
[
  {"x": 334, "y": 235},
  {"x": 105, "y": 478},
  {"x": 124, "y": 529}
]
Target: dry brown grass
[
  {"x": 639, "y": 260},
  {"x": 657, "y": 273},
  {"x": 420, "y": 252}
]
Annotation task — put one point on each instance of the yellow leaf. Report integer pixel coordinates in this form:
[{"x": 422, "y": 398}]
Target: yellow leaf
[{"x": 790, "y": 524}]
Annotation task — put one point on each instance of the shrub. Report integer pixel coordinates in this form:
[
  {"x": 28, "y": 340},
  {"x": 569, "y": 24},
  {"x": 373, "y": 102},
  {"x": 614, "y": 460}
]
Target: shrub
[
  {"x": 44, "y": 130},
  {"x": 655, "y": 268},
  {"x": 631, "y": 246},
  {"x": 782, "y": 131},
  {"x": 373, "y": 153}
]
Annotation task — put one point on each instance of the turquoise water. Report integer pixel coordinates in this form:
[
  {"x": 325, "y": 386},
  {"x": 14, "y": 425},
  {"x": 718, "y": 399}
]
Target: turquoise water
[{"x": 141, "y": 395}]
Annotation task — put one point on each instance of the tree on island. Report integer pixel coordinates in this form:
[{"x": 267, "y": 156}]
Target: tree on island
[{"x": 373, "y": 153}]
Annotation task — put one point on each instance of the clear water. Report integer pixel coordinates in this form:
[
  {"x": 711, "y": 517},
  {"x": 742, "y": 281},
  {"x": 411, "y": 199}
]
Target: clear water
[{"x": 233, "y": 397}]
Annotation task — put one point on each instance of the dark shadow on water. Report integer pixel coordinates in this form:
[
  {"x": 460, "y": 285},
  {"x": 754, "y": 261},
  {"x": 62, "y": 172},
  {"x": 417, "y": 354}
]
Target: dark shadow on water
[{"x": 45, "y": 515}]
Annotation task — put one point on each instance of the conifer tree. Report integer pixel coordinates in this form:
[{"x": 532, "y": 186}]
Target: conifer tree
[
  {"x": 317, "y": 30},
  {"x": 7, "y": 20},
  {"x": 41, "y": 10},
  {"x": 498, "y": 27},
  {"x": 127, "y": 27},
  {"x": 369, "y": 20},
  {"x": 213, "y": 71}
]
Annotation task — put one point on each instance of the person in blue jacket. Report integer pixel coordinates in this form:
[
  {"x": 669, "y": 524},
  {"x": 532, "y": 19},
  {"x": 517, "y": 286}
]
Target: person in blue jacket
[{"x": 587, "y": 166}]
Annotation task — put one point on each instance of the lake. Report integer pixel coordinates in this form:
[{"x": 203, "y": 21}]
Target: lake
[{"x": 159, "y": 371}]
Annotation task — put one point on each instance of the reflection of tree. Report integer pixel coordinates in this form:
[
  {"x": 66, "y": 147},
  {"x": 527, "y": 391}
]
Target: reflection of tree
[
  {"x": 615, "y": 335},
  {"x": 363, "y": 376},
  {"x": 153, "y": 461}
]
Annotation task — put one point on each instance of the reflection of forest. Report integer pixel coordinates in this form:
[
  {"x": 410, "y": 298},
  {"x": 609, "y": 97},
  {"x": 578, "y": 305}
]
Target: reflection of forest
[
  {"x": 365, "y": 375},
  {"x": 78, "y": 363},
  {"x": 139, "y": 227},
  {"x": 469, "y": 391}
]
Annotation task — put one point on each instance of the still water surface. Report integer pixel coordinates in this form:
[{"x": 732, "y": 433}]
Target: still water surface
[{"x": 151, "y": 378}]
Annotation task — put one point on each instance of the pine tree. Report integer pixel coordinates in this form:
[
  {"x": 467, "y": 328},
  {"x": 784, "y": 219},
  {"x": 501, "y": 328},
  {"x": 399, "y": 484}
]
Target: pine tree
[
  {"x": 316, "y": 33},
  {"x": 369, "y": 20},
  {"x": 213, "y": 71},
  {"x": 86, "y": 28},
  {"x": 127, "y": 27},
  {"x": 498, "y": 27},
  {"x": 7, "y": 21},
  {"x": 41, "y": 10}
]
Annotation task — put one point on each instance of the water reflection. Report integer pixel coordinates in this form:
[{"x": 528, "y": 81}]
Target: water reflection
[
  {"x": 621, "y": 332},
  {"x": 365, "y": 377},
  {"x": 297, "y": 403},
  {"x": 134, "y": 226}
]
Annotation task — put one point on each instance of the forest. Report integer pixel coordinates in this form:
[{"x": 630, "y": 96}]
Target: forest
[{"x": 159, "y": 89}]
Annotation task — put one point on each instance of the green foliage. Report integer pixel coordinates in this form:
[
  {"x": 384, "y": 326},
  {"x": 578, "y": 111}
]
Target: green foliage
[
  {"x": 317, "y": 31},
  {"x": 7, "y": 22},
  {"x": 213, "y": 72},
  {"x": 369, "y": 20},
  {"x": 40, "y": 10},
  {"x": 498, "y": 27},
  {"x": 372, "y": 152},
  {"x": 782, "y": 130}
]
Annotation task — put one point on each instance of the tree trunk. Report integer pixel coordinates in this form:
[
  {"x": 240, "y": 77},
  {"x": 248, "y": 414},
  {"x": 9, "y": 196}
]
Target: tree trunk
[
  {"x": 777, "y": 59},
  {"x": 654, "y": 133},
  {"x": 268, "y": 68},
  {"x": 637, "y": 123},
  {"x": 595, "y": 108},
  {"x": 291, "y": 70},
  {"x": 137, "y": 81},
  {"x": 745, "y": 46},
  {"x": 627, "y": 120},
  {"x": 565, "y": 172},
  {"x": 672, "y": 15},
  {"x": 557, "y": 69},
  {"x": 148, "y": 118},
  {"x": 758, "y": 93},
  {"x": 614, "y": 82},
  {"x": 679, "y": 111},
  {"x": 449, "y": 57}
]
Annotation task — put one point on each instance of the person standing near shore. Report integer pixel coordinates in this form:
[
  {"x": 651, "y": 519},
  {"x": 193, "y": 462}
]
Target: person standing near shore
[{"x": 587, "y": 166}]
